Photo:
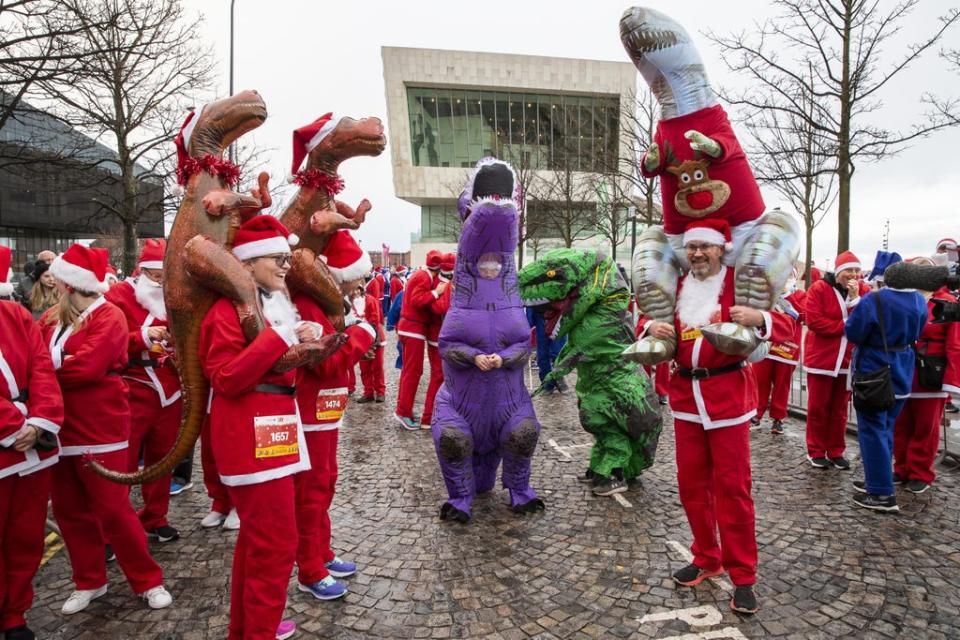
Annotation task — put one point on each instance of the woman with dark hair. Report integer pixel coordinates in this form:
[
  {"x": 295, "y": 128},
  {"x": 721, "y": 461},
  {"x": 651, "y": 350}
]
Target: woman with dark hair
[{"x": 87, "y": 338}]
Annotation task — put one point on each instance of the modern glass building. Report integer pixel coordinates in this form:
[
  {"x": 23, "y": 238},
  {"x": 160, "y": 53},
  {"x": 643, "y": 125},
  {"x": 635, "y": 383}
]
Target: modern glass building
[{"x": 448, "y": 109}]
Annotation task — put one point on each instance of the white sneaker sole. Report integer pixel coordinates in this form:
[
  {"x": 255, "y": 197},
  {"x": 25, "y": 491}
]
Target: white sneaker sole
[
  {"x": 324, "y": 598},
  {"x": 341, "y": 574},
  {"x": 96, "y": 594},
  {"x": 892, "y": 509},
  {"x": 210, "y": 524}
]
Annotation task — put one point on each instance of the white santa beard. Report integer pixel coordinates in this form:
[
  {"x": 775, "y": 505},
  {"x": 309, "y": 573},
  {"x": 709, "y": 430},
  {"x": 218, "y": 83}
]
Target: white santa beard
[
  {"x": 149, "y": 295},
  {"x": 360, "y": 306},
  {"x": 278, "y": 310},
  {"x": 700, "y": 299}
]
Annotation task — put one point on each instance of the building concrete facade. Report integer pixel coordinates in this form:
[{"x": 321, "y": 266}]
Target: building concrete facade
[{"x": 549, "y": 117}]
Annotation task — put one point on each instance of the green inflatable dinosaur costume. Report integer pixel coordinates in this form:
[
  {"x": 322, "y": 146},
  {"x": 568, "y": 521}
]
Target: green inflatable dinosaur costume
[{"x": 584, "y": 296}]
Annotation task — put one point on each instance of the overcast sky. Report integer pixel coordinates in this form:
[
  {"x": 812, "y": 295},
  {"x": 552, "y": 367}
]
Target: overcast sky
[{"x": 307, "y": 58}]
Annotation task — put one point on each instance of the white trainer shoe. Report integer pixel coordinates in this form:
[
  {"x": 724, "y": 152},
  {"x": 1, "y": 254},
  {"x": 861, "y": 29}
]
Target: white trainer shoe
[
  {"x": 213, "y": 519},
  {"x": 157, "y": 598},
  {"x": 232, "y": 523},
  {"x": 80, "y": 600}
]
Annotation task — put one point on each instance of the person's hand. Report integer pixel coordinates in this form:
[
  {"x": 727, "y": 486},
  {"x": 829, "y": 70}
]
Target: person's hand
[
  {"x": 662, "y": 330},
  {"x": 27, "y": 438},
  {"x": 483, "y": 362},
  {"x": 747, "y": 316},
  {"x": 441, "y": 288},
  {"x": 158, "y": 334},
  {"x": 652, "y": 158},
  {"x": 495, "y": 360},
  {"x": 306, "y": 332},
  {"x": 853, "y": 289}
]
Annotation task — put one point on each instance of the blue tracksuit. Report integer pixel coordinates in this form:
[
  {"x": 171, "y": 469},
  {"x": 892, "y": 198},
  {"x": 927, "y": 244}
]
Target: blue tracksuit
[
  {"x": 393, "y": 317},
  {"x": 904, "y": 315},
  {"x": 547, "y": 349}
]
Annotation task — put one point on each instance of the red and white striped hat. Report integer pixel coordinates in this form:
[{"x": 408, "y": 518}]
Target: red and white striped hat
[
  {"x": 344, "y": 257},
  {"x": 152, "y": 255},
  {"x": 82, "y": 268},
  {"x": 260, "y": 236},
  {"x": 846, "y": 260}
]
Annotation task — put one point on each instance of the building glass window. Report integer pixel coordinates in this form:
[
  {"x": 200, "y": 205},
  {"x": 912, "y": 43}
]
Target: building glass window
[{"x": 455, "y": 128}]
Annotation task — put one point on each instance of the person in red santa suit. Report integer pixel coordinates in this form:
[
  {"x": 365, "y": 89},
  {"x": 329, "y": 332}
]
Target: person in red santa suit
[
  {"x": 713, "y": 397},
  {"x": 31, "y": 412},
  {"x": 322, "y": 400},
  {"x": 255, "y": 431},
  {"x": 398, "y": 280},
  {"x": 916, "y": 432},
  {"x": 416, "y": 318},
  {"x": 365, "y": 308},
  {"x": 374, "y": 287},
  {"x": 438, "y": 310},
  {"x": 826, "y": 359},
  {"x": 775, "y": 372},
  {"x": 152, "y": 380},
  {"x": 88, "y": 339}
]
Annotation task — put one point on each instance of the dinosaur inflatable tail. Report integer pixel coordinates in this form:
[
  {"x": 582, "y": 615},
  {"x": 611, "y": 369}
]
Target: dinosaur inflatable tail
[{"x": 195, "y": 392}]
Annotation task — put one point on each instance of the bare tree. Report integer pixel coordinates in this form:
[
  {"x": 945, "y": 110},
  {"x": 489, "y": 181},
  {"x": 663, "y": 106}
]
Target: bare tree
[
  {"x": 131, "y": 96},
  {"x": 521, "y": 159},
  {"x": 842, "y": 42},
  {"x": 794, "y": 157},
  {"x": 565, "y": 206}
]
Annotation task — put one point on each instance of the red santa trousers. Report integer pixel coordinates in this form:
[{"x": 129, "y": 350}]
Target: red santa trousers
[
  {"x": 23, "y": 516},
  {"x": 916, "y": 437},
  {"x": 713, "y": 475},
  {"x": 314, "y": 490},
  {"x": 436, "y": 381},
  {"x": 263, "y": 558},
  {"x": 351, "y": 380},
  {"x": 827, "y": 403},
  {"x": 155, "y": 429},
  {"x": 211, "y": 477},
  {"x": 410, "y": 374},
  {"x": 86, "y": 504},
  {"x": 771, "y": 373},
  {"x": 661, "y": 378},
  {"x": 371, "y": 373}
]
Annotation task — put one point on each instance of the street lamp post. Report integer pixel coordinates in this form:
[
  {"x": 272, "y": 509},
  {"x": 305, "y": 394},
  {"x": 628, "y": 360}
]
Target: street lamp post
[
  {"x": 632, "y": 212},
  {"x": 231, "y": 152}
]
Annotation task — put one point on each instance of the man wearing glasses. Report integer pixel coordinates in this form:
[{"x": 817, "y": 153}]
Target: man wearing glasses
[{"x": 713, "y": 396}]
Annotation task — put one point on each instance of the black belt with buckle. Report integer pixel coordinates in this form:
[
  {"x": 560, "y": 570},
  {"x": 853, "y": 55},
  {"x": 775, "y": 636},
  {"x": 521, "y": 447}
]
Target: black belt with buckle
[
  {"x": 699, "y": 373},
  {"x": 277, "y": 389},
  {"x": 142, "y": 363},
  {"x": 22, "y": 397}
]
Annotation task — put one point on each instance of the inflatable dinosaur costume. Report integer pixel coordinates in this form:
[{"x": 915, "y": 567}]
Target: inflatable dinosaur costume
[
  {"x": 483, "y": 410},
  {"x": 585, "y": 298}
]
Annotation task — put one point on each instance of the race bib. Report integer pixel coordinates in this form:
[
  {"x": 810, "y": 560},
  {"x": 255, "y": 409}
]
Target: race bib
[
  {"x": 331, "y": 403},
  {"x": 276, "y": 436},
  {"x": 691, "y": 334}
]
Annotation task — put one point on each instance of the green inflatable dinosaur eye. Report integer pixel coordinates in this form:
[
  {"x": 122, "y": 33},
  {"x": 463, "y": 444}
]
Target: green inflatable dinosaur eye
[{"x": 551, "y": 273}]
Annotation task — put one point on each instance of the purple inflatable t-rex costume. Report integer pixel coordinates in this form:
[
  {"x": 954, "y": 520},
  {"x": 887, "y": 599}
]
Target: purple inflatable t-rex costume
[{"x": 483, "y": 416}]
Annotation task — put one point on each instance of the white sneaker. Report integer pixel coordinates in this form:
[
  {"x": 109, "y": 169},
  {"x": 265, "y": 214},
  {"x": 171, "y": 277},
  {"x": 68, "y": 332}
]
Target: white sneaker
[
  {"x": 232, "y": 523},
  {"x": 213, "y": 519},
  {"x": 80, "y": 600},
  {"x": 157, "y": 598}
]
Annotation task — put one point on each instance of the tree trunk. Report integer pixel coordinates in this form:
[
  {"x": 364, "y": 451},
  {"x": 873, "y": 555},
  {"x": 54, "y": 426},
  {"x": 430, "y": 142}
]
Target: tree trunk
[
  {"x": 808, "y": 259},
  {"x": 129, "y": 246}
]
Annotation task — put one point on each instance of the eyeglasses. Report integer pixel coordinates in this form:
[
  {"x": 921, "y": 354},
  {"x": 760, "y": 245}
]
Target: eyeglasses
[
  {"x": 693, "y": 249},
  {"x": 281, "y": 259}
]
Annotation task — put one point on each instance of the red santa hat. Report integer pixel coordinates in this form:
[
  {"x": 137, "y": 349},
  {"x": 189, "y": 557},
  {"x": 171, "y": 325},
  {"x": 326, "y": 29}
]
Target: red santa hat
[
  {"x": 152, "y": 255},
  {"x": 82, "y": 268},
  {"x": 182, "y": 140},
  {"x": 434, "y": 258},
  {"x": 448, "y": 262},
  {"x": 6, "y": 256},
  {"x": 947, "y": 243},
  {"x": 846, "y": 260},
  {"x": 344, "y": 257},
  {"x": 262, "y": 235},
  {"x": 713, "y": 231},
  {"x": 306, "y": 139}
]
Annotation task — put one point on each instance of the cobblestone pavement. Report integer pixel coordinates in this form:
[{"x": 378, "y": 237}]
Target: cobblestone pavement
[{"x": 587, "y": 567}]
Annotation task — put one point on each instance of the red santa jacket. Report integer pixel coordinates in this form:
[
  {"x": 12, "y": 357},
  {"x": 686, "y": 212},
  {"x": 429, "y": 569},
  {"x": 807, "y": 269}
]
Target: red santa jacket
[
  {"x": 370, "y": 311},
  {"x": 397, "y": 285},
  {"x": 375, "y": 287},
  {"x": 322, "y": 390},
  {"x": 788, "y": 351},
  {"x": 29, "y": 393},
  {"x": 415, "y": 314},
  {"x": 724, "y": 186},
  {"x": 726, "y": 399},
  {"x": 160, "y": 375},
  {"x": 255, "y": 431},
  {"x": 825, "y": 349},
  {"x": 89, "y": 361},
  {"x": 937, "y": 340},
  {"x": 438, "y": 309}
]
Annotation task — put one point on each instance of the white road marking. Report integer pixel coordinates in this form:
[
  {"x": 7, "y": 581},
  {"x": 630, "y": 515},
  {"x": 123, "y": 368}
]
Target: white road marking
[
  {"x": 560, "y": 450},
  {"x": 703, "y": 616},
  {"x": 623, "y": 502}
]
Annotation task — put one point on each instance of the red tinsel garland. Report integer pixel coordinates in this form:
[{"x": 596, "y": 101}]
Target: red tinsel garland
[
  {"x": 332, "y": 184},
  {"x": 217, "y": 167}
]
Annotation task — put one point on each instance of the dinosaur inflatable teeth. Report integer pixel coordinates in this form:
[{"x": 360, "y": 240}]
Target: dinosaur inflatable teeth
[{"x": 655, "y": 272}]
